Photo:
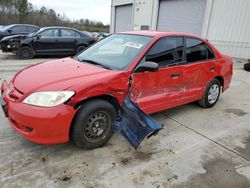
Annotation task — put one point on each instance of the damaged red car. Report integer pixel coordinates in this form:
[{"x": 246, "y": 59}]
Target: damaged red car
[{"x": 80, "y": 98}]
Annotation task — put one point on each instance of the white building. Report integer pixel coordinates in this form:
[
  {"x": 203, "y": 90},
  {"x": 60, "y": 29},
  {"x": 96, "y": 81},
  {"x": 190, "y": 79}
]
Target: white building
[{"x": 226, "y": 23}]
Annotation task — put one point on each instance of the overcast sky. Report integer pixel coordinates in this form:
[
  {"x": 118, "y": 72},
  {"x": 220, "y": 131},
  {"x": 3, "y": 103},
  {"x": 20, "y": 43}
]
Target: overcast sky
[{"x": 98, "y": 10}]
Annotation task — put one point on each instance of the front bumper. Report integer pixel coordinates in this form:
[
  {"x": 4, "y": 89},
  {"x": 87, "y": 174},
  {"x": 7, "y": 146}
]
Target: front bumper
[
  {"x": 38, "y": 124},
  {"x": 9, "y": 46}
]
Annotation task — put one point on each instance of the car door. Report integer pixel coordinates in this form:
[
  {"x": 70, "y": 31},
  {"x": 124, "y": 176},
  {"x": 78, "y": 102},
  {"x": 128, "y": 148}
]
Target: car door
[
  {"x": 45, "y": 41},
  {"x": 156, "y": 91},
  {"x": 67, "y": 41},
  {"x": 196, "y": 57},
  {"x": 195, "y": 54}
]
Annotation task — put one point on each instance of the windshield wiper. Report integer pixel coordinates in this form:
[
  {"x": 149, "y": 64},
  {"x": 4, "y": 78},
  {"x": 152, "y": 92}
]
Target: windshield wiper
[{"x": 94, "y": 63}]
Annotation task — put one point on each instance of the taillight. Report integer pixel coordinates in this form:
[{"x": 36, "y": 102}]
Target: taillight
[{"x": 96, "y": 39}]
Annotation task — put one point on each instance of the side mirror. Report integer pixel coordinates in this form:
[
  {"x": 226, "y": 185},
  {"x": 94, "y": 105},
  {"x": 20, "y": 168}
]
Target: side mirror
[
  {"x": 147, "y": 66},
  {"x": 38, "y": 36},
  {"x": 9, "y": 30}
]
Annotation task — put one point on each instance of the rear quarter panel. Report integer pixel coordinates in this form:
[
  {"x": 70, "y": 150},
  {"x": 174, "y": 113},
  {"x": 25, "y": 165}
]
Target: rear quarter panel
[{"x": 226, "y": 70}]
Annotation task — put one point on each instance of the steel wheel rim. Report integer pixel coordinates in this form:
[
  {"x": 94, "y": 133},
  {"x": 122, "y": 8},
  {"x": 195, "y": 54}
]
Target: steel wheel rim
[
  {"x": 213, "y": 93},
  {"x": 96, "y": 126},
  {"x": 26, "y": 53}
]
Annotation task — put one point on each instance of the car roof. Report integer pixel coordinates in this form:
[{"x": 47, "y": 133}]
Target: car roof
[
  {"x": 153, "y": 33},
  {"x": 23, "y": 25},
  {"x": 59, "y": 27}
]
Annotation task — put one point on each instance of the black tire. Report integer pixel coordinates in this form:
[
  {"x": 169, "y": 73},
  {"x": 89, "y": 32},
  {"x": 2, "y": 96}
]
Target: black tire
[
  {"x": 205, "y": 101},
  {"x": 80, "y": 49},
  {"x": 25, "y": 53},
  {"x": 84, "y": 130},
  {"x": 247, "y": 66}
]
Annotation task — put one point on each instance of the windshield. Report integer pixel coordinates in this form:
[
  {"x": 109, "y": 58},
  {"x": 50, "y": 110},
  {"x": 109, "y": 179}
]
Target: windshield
[
  {"x": 36, "y": 32},
  {"x": 31, "y": 34},
  {"x": 115, "y": 52}
]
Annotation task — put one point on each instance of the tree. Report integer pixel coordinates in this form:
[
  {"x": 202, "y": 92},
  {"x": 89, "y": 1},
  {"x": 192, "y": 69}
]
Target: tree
[{"x": 23, "y": 7}]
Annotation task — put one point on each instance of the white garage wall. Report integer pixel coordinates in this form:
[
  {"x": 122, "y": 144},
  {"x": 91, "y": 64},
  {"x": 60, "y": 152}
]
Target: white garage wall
[
  {"x": 184, "y": 16},
  {"x": 227, "y": 26},
  {"x": 123, "y": 18}
]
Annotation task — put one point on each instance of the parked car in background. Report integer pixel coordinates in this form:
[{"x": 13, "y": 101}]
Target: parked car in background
[
  {"x": 47, "y": 41},
  {"x": 79, "y": 98},
  {"x": 99, "y": 35},
  {"x": 14, "y": 29}
]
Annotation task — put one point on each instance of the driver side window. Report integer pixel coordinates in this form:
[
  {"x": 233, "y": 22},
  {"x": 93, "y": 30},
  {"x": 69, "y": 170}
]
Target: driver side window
[
  {"x": 166, "y": 51},
  {"x": 49, "y": 33}
]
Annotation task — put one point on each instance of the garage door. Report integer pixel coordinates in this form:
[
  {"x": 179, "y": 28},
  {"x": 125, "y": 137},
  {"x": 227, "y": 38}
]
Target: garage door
[
  {"x": 181, "y": 15},
  {"x": 123, "y": 18}
]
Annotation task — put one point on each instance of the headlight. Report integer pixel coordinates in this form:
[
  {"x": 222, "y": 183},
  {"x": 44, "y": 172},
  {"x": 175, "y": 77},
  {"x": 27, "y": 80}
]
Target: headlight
[{"x": 48, "y": 98}]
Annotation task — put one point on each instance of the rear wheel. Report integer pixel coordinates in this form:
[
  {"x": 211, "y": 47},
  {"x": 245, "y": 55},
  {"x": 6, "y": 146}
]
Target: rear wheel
[
  {"x": 25, "y": 53},
  {"x": 212, "y": 94},
  {"x": 92, "y": 125}
]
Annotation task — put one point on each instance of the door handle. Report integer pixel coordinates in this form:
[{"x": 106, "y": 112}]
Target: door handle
[
  {"x": 174, "y": 75},
  {"x": 212, "y": 68}
]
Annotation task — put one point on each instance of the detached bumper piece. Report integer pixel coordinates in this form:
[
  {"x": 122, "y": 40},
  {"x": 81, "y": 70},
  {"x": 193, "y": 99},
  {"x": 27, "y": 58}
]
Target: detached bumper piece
[{"x": 134, "y": 124}]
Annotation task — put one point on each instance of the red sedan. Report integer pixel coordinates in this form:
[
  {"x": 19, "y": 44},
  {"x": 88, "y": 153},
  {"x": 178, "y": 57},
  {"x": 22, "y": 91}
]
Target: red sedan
[{"x": 78, "y": 98}]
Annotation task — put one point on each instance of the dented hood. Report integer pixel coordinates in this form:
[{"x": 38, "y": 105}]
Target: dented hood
[{"x": 57, "y": 75}]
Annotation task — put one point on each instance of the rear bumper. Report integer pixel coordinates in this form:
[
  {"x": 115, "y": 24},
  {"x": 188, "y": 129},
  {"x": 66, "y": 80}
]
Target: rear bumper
[{"x": 38, "y": 124}]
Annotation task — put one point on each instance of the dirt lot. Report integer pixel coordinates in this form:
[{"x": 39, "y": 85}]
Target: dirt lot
[{"x": 197, "y": 148}]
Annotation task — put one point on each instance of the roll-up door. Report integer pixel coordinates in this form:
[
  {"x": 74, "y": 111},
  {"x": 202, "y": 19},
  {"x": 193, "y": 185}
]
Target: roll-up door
[
  {"x": 181, "y": 15},
  {"x": 123, "y": 18}
]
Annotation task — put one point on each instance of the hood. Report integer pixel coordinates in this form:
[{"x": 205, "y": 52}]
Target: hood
[
  {"x": 13, "y": 37},
  {"x": 57, "y": 75}
]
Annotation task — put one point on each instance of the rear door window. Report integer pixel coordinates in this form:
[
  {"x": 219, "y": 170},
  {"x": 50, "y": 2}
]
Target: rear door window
[
  {"x": 31, "y": 29},
  {"x": 67, "y": 33},
  {"x": 197, "y": 50},
  {"x": 166, "y": 51}
]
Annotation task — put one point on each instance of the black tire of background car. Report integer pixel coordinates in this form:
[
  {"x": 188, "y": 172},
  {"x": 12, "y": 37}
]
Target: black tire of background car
[
  {"x": 25, "y": 53},
  {"x": 247, "y": 66},
  {"x": 204, "y": 101},
  {"x": 82, "y": 117},
  {"x": 80, "y": 49}
]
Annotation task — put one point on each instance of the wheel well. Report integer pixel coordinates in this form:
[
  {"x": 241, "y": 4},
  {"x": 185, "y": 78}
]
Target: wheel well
[
  {"x": 221, "y": 80},
  {"x": 111, "y": 99},
  {"x": 25, "y": 45}
]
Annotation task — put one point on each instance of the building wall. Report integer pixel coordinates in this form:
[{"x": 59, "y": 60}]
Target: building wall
[
  {"x": 143, "y": 13},
  {"x": 226, "y": 22},
  {"x": 227, "y": 26}
]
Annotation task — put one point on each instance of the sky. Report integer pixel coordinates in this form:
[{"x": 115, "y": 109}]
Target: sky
[{"x": 97, "y": 10}]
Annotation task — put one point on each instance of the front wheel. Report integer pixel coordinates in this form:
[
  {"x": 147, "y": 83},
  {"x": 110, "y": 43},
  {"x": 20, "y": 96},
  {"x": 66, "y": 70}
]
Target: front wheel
[
  {"x": 25, "y": 53},
  {"x": 211, "y": 95},
  {"x": 92, "y": 125}
]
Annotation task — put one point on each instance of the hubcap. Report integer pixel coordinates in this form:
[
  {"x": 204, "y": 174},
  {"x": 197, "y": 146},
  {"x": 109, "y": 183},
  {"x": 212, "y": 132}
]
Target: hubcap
[
  {"x": 213, "y": 93},
  {"x": 96, "y": 126}
]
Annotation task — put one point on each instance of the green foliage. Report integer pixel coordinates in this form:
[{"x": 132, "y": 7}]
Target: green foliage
[
  {"x": 23, "y": 7},
  {"x": 21, "y": 11}
]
